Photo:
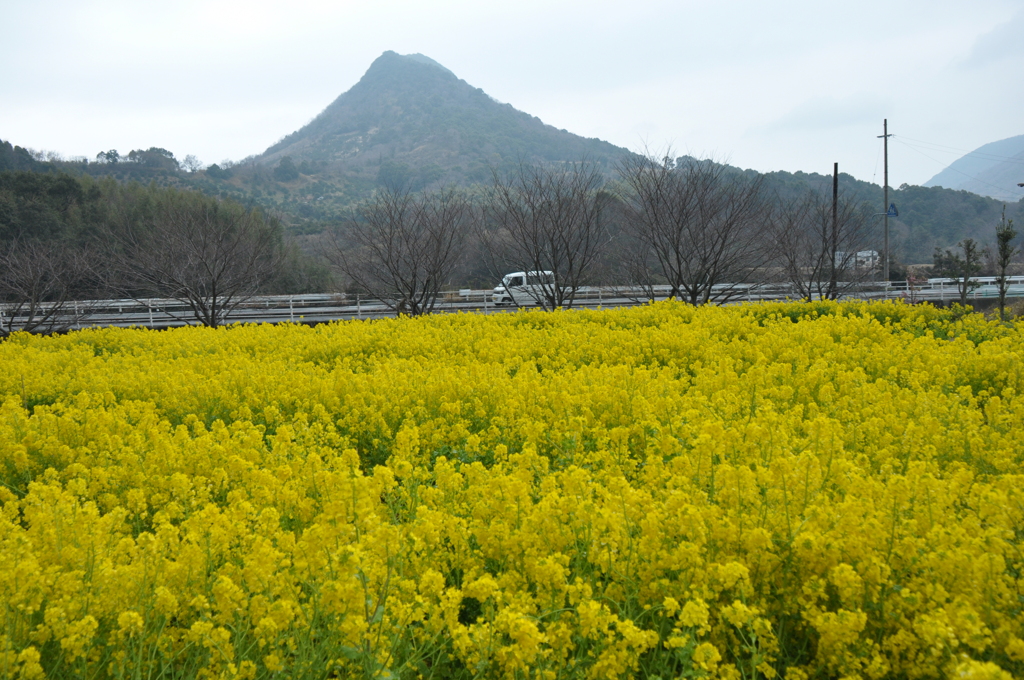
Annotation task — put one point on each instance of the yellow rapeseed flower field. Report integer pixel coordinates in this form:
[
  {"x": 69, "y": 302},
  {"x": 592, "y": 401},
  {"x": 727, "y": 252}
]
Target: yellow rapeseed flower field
[{"x": 773, "y": 490}]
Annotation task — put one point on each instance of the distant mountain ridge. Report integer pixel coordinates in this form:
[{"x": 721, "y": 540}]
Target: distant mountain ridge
[
  {"x": 409, "y": 110},
  {"x": 410, "y": 120},
  {"x": 992, "y": 170}
]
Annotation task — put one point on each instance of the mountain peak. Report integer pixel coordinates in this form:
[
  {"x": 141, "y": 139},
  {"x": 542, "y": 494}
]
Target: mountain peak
[
  {"x": 391, "y": 62},
  {"x": 409, "y": 110},
  {"x": 424, "y": 59}
]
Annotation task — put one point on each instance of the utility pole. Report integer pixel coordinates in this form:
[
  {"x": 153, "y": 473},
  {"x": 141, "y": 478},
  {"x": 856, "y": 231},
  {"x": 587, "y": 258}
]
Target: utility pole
[
  {"x": 885, "y": 200},
  {"x": 833, "y": 282}
]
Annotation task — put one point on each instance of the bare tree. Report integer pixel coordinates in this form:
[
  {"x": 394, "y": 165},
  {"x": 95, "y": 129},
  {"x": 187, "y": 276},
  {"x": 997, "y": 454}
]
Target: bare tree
[
  {"x": 695, "y": 227},
  {"x": 821, "y": 246},
  {"x": 210, "y": 255},
  {"x": 404, "y": 247},
  {"x": 39, "y": 284},
  {"x": 192, "y": 164},
  {"x": 548, "y": 219}
]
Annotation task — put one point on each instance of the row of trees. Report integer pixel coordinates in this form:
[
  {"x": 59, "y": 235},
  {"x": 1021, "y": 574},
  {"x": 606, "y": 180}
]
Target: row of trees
[
  {"x": 64, "y": 243},
  {"x": 694, "y": 226},
  {"x": 698, "y": 229}
]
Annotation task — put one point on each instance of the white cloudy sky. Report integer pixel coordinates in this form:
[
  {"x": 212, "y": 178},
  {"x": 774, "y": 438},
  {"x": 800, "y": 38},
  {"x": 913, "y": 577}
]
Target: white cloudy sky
[{"x": 764, "y": 85}]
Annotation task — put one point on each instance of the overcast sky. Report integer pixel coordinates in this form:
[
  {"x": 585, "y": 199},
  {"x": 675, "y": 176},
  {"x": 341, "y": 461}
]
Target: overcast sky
[{"x": 764, "y": 85}]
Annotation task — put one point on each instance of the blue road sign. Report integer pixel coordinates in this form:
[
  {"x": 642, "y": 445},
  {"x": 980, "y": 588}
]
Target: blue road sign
[{"x": 893, "y": 212}]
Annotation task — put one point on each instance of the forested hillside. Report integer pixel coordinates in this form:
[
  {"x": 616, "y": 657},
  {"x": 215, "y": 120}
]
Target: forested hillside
[{"x": 929, "y": 217}]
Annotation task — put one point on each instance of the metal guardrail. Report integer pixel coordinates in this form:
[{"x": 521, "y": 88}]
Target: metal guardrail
[{"x": 322, "y": 307}]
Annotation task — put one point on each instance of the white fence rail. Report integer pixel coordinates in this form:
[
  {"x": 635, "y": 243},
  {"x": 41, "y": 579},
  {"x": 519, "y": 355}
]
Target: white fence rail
[{"x": 318, "y": 308}]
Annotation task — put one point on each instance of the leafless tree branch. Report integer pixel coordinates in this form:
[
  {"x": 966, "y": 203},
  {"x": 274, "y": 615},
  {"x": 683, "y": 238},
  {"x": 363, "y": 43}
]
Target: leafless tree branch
[
  {"x": 39, "y": 281},
  {"x": 547, "y": 219},
  {"x": 819, "y": 255},
  {"x": 210, "y": 255},
  {"x": 695, "y": 227},
  {"x": 404, "y": 247}
]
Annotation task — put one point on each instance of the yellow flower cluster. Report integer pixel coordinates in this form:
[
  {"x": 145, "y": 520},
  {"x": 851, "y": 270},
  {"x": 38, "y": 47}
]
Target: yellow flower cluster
[{"x": 772, "y": 490}]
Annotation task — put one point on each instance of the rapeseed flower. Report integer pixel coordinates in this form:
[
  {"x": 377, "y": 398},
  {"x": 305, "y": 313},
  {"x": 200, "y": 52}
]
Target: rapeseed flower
[{"x": 791, "y": 490}]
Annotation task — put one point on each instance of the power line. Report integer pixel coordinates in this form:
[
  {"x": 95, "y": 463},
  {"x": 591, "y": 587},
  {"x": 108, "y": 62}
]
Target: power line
[
  {"x": 948, "y": 167},
  {"x": 878, "y": 157},
  {"x": 932, "y": 146}
]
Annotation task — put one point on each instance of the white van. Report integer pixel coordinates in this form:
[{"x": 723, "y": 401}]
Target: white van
[{"x": 523, "y": 288}]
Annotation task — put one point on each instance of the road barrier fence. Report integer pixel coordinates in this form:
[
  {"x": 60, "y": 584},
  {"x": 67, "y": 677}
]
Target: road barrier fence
[{"x": 323, "y": 307}]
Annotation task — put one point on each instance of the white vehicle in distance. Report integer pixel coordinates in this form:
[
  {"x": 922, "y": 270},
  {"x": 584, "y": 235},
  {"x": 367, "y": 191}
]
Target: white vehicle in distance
[{"x": 523, "y": 288}]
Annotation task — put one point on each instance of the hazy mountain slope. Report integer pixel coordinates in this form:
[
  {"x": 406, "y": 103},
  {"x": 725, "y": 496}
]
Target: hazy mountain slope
[
  {"x": 410, "y": 111},
  {"x": 992, "y": 170}
]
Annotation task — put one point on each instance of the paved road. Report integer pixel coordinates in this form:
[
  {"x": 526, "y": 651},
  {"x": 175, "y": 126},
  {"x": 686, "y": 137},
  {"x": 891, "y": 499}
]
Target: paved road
[{"x": 320, "y": 308}]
